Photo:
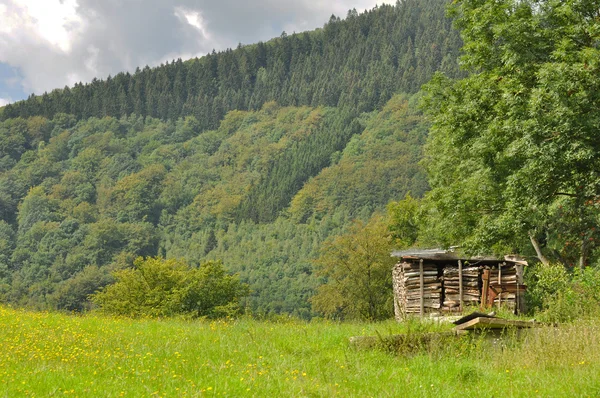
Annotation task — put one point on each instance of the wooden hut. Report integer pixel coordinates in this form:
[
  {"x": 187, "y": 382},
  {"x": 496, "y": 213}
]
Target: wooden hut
[{"x": 442, "y": 281}]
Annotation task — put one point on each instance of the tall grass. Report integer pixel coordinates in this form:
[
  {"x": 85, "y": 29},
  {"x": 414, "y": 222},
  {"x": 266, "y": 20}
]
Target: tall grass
[{"x": 46, "y": 354}]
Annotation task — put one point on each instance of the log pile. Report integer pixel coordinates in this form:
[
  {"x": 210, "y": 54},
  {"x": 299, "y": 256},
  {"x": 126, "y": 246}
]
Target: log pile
[
  {"x": 506, "y": 275},
  {"x": 470, "y": 282},
  {"x": 407, "y": 284},
  {"x": 439, "y": 287}
]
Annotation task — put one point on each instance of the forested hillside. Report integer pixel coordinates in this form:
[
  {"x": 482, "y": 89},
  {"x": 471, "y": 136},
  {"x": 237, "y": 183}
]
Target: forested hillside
[
  {"x": 254, "y": 156},
  {"x": 99, "y": 192}
]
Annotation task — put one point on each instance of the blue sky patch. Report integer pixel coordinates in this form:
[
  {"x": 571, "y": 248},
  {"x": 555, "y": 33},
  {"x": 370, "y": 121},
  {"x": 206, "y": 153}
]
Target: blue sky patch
[{"x": 10, "y": 83}]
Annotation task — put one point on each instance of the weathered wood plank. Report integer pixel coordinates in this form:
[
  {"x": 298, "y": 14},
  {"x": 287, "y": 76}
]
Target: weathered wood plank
[
  {"x": 494, "y": 323},
  {"x": 486, "y": 286}
]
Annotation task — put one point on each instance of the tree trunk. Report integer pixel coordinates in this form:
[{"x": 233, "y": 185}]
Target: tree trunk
[
  {"x": 560, "y": 258},
  {"x": 538, "y": 250}
]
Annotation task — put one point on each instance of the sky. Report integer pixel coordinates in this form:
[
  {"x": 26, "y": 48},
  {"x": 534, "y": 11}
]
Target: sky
[{"x": 47, "y": 44}]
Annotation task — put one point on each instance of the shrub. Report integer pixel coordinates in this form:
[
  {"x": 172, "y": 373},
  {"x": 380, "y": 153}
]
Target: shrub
[
  {"x": 156, "y": 287},
  {"x": 544, "y": 283},
  {"x": 561, "y": 296},
  {"x": 357, "y": 267}
]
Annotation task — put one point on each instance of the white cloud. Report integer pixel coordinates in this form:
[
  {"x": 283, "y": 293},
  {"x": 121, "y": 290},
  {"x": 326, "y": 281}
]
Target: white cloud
[
  {"x": 5, "y": 101},
  {"x": 9, "y": 20},
  {"x": 54, "y": 21},
  {"x": 193, "y": 18}
]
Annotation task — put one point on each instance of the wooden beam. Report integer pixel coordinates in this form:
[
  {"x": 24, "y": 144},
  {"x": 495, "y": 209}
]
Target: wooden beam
[
  {"x": 486, "y": 287},
  {"x": 519, "y": 268},
  {"x": 460, "y": 284},
  {"x": 500, "y": 283},
  {"x": 520, "y": 297},
  {"x": 422, "y": 287}
]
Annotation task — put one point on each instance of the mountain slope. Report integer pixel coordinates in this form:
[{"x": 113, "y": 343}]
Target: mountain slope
[
  {"x": 90, "y": 178},
  {"x": 106, "y": 190}
]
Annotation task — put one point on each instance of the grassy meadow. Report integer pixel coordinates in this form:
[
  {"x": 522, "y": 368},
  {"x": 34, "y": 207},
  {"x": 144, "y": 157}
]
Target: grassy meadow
[{"x": 48, "y": 354}]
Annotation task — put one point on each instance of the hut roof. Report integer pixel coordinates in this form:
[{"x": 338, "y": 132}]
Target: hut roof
[{"x": 450, "y": 255}]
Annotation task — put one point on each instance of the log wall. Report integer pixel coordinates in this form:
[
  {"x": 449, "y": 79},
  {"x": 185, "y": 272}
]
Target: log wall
[{"x": 449, "y": 286}]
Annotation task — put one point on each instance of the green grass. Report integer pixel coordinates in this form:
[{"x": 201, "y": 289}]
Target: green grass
[{"x": 46, "y": 354}]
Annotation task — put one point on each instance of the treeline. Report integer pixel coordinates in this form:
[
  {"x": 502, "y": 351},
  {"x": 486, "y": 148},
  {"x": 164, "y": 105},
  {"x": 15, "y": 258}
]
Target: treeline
[{"x": 356, "y": 63}]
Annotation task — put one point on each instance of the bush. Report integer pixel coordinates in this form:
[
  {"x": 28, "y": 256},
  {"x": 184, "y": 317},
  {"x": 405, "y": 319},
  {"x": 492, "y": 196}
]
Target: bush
[
  {"x": 544, "y": 284},
  {"x": 156, "y": 287},
  {"x": 561, "y": 296}
]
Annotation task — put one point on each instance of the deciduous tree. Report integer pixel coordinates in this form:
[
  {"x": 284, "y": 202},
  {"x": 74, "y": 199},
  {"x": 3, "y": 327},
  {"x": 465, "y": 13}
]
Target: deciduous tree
[
  {"x": 516, "y": 143},
  {"x": 357, "y": 270},
  {"x": 156, "y": 287}
]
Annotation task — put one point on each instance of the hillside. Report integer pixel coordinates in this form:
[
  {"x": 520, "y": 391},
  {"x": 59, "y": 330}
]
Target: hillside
[
  {"x": 261, "y": 192},
  {"x": 260, "y": 183}
]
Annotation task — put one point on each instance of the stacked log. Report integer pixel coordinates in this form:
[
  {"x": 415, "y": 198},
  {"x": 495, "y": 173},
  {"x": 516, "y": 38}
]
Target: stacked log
[
  {"x": 504, "y": 275},
  {"x": 470, "y": 287},
  {"x": 399, "y": 296},
  {"x": 407, "y": 284},
  {"x": 438, "y": 288}
]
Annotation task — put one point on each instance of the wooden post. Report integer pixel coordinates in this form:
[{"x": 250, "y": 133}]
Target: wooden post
[
  {"x": 422, "y": 287},
  {"x": 460, "y": 285},
  {"x": 519, "y": 268},
  {"x": 486, "y": 288},
  {"x": 499, "y": 284},
  {"x": 396, "y": 294},
  {"x": 519, "y": 299}
]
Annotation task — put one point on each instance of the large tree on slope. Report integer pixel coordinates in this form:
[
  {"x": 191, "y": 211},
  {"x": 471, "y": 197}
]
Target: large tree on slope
[{"x": 514, "y": 151}]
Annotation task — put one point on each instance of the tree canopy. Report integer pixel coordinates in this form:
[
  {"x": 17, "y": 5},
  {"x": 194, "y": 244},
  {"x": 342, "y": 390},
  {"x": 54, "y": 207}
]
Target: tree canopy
[
  {"x": 155, "y": 287},
  {"x": 355, "y": 62},
  {"x": 261, "y": 193},
  {"x": 513, "y": 152},
  {"x": 357, "y": 267}
]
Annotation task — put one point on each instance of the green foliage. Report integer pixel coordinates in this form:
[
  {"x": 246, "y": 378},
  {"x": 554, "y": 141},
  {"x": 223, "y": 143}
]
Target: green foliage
[
  {"x": 36, "y": 207},
  {"x": 516, "y": 141},
  {"x": 403, "y": 221},
  {"x": 133, "y": 199},
  {"x": 253, "y": 156},
  {"x": 308, "y": 153},
  {"x": 377, "y": 165},
  {"x": 73, "y": 294},
  {"x": 561, "y": 296},
  {"x": 356, "y": 268},
  {"x": 258, "y": 193},
  {"x": 161, "y": 288},
  {"x": 7, "y": 245},
  {"x": 275, "y": 259},
  {"x": 544, "y": 284}
]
